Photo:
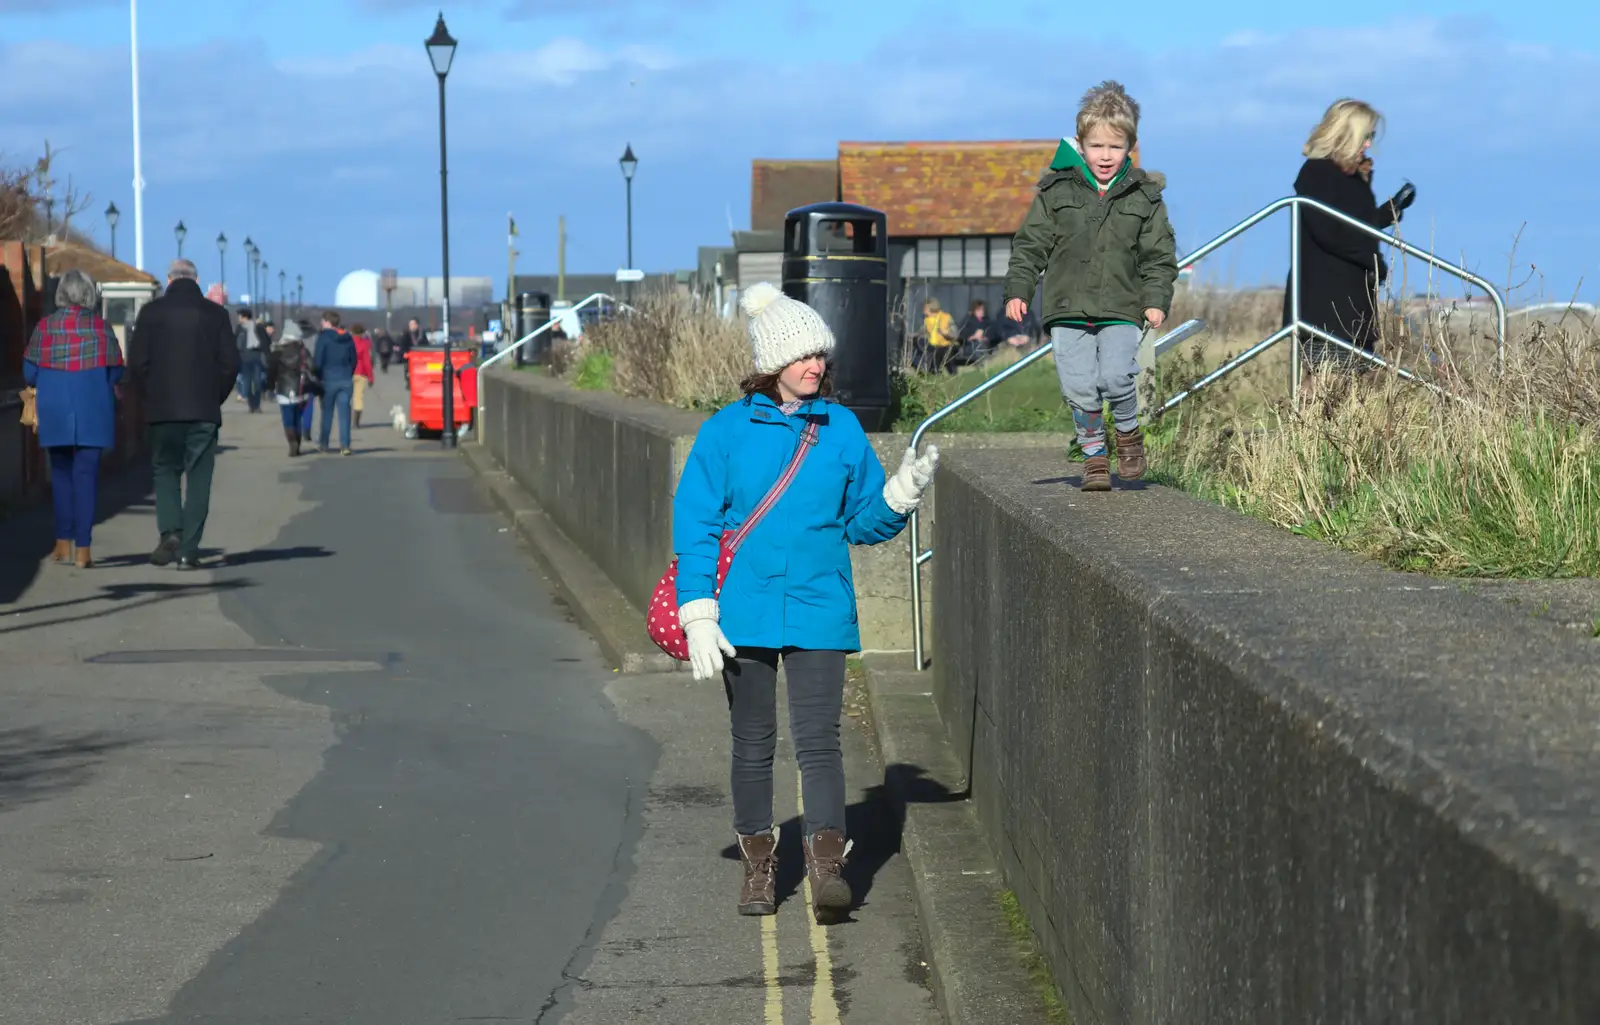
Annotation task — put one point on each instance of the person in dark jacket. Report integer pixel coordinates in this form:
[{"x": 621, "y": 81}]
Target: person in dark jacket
[
  {"x": 74, "y": 362},
  {"x": 183, "y": 359},
  {"x": 253, "y": 348},
  {"x": 293, "y": 383},
  {"x": 335, "y": 362},
  {"x": 1342, "y": 267}
]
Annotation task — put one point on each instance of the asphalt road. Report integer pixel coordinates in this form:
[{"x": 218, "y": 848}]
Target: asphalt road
[{"x": 366, "y": 769}]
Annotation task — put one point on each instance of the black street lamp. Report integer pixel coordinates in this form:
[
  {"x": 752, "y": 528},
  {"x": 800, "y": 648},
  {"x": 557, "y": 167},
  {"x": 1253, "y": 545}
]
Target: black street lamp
[
  {"x": 259, "y": 299},
  {"x": 249, "y": 264},
  {"x": 222, "y": 261},
  {"x": 260, "y": 267},
  {"x": 283, "y": 278},
  {"x": 629, "y": 164},
  {"x": 181, "y": 233},
  {"x": 113, "y": 215},
  {"x": 442, "y": 52},
  {"x": 299, "y": 291}
]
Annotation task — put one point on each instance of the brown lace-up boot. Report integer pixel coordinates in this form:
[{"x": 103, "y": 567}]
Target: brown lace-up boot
[
  {"x": 1131, "y": 462},
  {"x": 63, "y": 552},
  {"x": 1096, "y": 474},
  {"x": 826, "y": 856},
  {"x": 758, "y": 895}
]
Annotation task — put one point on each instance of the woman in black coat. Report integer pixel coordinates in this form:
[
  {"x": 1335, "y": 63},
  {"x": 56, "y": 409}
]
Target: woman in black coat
[{"x": 1342, "y": 268}]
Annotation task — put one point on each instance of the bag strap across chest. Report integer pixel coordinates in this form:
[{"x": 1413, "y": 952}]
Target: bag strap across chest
[{"x": 808, "y": 441}]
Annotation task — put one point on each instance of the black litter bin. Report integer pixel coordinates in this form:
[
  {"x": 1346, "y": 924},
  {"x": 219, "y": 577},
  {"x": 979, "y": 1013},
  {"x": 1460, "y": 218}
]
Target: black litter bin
[
  {"x": 533, "y": 312},
  {"x": 836, "y": 260}
]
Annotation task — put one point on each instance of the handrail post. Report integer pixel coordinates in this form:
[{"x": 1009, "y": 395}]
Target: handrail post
[{"x": 1294, "y": 304}]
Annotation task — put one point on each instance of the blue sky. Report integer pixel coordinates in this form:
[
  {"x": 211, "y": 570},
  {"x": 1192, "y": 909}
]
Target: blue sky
[{"x": 311, "y": 125}]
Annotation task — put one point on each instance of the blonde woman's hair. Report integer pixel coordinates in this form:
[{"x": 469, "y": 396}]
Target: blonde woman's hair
[
  {"x": 1344, "y": 129},
  {"x": 932, "y": 304},
  {"x": 1109, "y": 105}
]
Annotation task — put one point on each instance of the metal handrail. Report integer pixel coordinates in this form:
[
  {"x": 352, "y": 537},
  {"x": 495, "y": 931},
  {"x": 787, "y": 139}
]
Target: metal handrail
[
  {"x": 1187, "y": 329},
  {"x": 1294, "y": 204},
  {"x": 530, "y": 336}
]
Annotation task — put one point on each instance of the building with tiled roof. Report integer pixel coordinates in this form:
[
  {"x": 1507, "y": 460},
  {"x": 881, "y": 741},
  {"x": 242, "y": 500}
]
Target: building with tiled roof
[{"x": 952, "y": 209}]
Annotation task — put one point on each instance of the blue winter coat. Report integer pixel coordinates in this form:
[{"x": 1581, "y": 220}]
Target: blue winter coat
[
  {"x": 335, "y": 357},
  {"x": 75, "y": 407},
  {"x": 790, "y": 584}
]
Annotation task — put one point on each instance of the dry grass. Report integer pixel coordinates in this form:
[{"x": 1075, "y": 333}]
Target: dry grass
[
  {"x": 1503, "y": 479},
  {"x": 673, "y": 350}
]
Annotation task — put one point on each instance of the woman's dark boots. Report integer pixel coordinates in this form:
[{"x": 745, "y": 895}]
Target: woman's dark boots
[
  {"x": 826, "y": 856},
  {"x": 758, "y": 895},
  {"x": 292, "y": 436}
]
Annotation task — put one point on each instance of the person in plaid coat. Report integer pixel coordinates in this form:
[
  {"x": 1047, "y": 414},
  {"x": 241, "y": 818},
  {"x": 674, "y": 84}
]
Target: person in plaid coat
[{"x": 74, "y": 362}]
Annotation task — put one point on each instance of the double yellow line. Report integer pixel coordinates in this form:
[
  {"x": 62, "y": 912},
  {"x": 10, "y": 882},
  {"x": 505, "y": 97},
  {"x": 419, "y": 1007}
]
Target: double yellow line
[{"x": 824, "y": 1009}]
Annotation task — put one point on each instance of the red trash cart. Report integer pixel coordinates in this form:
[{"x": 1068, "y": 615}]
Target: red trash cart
[{"x": 426, "y": 367}]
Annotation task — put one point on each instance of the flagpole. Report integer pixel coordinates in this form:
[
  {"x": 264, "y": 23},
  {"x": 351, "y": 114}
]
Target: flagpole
[{"x": 138, "y": 166}]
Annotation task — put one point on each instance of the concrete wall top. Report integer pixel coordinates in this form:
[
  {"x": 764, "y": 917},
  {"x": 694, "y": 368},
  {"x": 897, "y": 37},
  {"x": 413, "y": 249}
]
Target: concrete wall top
[{"x": 1481, "y": 712}]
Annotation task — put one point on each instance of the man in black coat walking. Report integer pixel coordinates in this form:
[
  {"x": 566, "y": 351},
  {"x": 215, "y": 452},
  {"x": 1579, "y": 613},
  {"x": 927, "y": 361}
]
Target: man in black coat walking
[{"x": 184, "y": 360}]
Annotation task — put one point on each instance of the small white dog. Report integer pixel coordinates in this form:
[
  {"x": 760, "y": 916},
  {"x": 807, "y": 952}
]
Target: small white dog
[{"x": 398, "y": 415}]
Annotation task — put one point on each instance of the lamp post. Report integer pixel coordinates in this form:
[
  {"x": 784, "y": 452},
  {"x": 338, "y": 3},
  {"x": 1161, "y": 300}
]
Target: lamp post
[
  {"x": 283, "y": 278},
  {"x": 249, "y": 264},
  {"x": 259, "y": 299},
  {"x": 442, "y": 52},
  {"x": 629, "y": 164},
  {"x": 113, "y": 215},
  {"x": 222, "y": 261},
  {"x": 299, "y": 291},
  {"x": 180, "y": 233}
]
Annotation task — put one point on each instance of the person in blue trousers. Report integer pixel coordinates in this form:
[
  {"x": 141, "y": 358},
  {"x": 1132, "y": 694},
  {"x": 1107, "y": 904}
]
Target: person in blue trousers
[
  {"x": 74, "y": 362},
  {"x": 335, "y": 362},
  {"x": 788, "y": 596}
]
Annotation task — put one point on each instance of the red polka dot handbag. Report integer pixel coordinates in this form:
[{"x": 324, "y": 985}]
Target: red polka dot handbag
[{"x": 662, "y": 620}]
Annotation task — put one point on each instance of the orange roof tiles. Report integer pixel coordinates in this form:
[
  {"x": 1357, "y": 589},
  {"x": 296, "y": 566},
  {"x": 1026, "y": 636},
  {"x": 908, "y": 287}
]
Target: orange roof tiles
[{"x": 945, "y": 188}]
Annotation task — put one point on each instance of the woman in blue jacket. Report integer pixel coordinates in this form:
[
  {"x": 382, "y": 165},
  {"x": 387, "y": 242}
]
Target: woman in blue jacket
[
  {"x": 788, "y": 594},
  {"x": 74, "y": 361}
]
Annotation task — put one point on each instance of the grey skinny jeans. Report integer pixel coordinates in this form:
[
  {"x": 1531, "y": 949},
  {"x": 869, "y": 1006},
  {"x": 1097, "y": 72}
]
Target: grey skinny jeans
[{"x": 816, "y": 700}]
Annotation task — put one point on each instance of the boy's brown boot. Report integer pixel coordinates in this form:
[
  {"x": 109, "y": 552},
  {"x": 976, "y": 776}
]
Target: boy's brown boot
[
  {"x": 1131, "y": 462},
  {"x": 83, "y": 557},
  {"x": 826, "y": 856},
  {"x": 63, "y": 552},
  {"x": 758, "y": 894},
  {"x": 1096, "y": 474}
]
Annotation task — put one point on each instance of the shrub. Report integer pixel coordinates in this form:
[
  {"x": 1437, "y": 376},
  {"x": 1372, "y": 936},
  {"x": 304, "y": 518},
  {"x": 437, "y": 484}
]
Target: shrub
[{"x": 673, "y": 349}]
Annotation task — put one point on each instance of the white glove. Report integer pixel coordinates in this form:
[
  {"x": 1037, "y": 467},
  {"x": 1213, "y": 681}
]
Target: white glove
[
  {"x": 904, "y": 490},
  {"x": 707, "y": 643}
]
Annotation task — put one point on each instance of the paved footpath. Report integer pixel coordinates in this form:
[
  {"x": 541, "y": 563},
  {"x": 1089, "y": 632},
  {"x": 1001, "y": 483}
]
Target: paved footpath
[{"x": 365, "y": 769}]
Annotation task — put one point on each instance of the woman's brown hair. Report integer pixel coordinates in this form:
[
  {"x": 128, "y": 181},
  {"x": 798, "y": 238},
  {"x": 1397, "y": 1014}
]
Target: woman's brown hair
[{"x": 767, "y": 384}]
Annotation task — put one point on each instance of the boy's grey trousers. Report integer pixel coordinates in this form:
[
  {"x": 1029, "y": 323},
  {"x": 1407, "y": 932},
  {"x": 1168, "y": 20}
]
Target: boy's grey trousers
[{"x": 1097, "y": 365}]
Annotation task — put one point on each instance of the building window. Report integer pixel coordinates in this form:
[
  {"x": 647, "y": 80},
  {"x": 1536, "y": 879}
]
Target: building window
[
  {"x": 908, "y": 263},
  {"x": 999, "y": 257},
  {"x": 950, "y": 258},
  {"x": 927, "y": 257},
  {"x": 976, "y": 264}
]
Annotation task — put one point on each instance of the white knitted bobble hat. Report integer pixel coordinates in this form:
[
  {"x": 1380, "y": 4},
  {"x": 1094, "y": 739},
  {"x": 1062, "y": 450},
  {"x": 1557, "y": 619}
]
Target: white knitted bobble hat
[{"x": 782, "y": 329}]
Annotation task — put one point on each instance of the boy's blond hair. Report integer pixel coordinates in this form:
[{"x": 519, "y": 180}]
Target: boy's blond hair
[
  {"x": 1343, "y": 130},
  {"x": 1108, "y": 104}
]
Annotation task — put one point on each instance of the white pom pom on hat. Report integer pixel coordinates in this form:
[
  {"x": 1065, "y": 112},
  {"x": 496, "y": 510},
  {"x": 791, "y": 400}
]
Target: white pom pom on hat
[{"x": 782, "y": 329}]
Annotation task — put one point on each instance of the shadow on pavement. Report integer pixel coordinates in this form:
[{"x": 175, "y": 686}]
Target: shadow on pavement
[
  {"x": 120, "y": 597},
  {"x": 875, "y": 826},
  {"x": 216, "y": 558},
  {"x": 35, "y": 763},
  {"x": 30, "y": 531}
]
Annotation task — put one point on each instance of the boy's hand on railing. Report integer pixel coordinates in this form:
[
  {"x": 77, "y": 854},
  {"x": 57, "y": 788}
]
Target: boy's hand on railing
[
  {"x": 1154, "y": 318},
  {"x": 1016, "y": 309}
]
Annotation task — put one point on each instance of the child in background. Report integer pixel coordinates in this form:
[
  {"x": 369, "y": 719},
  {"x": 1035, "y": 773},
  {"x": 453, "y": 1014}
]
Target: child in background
[{"x": 1098, "y": 231}]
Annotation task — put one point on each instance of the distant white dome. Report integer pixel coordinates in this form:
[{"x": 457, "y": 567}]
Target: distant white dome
[{"x": 359, "y": 290}]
